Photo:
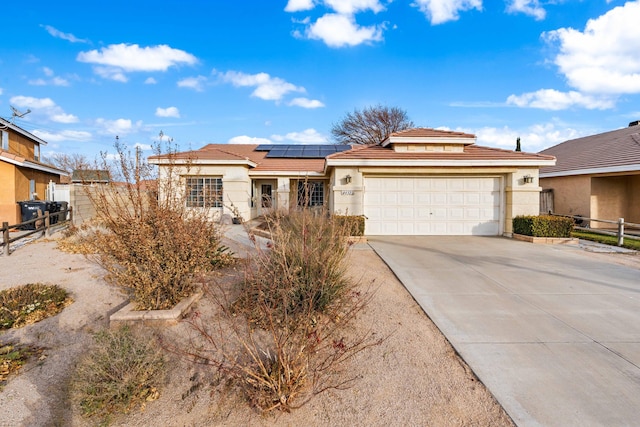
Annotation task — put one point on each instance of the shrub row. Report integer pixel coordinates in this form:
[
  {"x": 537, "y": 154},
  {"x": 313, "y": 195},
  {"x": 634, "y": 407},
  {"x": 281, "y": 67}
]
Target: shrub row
[
  {"x": 543, "y": 226},
  {"x": 353, "y": 223}
]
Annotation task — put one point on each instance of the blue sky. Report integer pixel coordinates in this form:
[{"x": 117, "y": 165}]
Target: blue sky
[{"x": 285, "y": 71}]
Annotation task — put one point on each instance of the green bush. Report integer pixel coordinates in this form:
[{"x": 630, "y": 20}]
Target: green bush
[
  {"x": 121, "y": 371},
  {"x": 543, "y": 226},
  {"x": 353, "y": 223}
]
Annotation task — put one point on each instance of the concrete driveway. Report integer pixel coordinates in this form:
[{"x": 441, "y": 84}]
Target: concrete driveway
[{"x": 552, "y": 331}]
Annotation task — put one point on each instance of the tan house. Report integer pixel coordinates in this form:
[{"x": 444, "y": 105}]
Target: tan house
[
  {"x": 23, "y": 176},
  {"x": 418, "y": 182},
  {"x": 596, "y": 176}
]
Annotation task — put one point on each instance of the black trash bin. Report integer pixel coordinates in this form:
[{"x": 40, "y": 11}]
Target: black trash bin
[
  {"x": 61, "y": 206},
  {"x": 29, "y": 210}
]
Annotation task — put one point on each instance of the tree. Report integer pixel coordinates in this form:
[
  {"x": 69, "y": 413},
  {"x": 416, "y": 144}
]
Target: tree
[
  {"x": 370, "y": 126},
  {"x": 69, "y": 162}
]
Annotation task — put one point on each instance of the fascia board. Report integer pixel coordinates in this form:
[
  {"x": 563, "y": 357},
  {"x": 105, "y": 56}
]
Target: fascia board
[
  {"x": 440, "y": 163},
  {"x": 592, "y": 171}
]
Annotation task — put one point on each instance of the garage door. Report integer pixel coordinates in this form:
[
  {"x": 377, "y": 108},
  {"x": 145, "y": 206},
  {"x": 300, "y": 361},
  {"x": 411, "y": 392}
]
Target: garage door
[{"x": 432, "y": 206}]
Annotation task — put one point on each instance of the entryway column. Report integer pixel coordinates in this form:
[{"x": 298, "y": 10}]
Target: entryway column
[{"x": 284, "y": 188}]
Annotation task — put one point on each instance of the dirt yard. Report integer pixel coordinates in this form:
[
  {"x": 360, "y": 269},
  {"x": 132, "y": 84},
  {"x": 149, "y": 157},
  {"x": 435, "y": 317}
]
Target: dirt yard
[{"x": 413, "y": 378}]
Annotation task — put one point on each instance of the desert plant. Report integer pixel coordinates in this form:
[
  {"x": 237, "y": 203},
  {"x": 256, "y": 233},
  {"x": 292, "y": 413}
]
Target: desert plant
[
  {"x": 121, "y": 371},
  {"x": 30, "y": 303},
  {"x": 305, "y": 266},
  {"x": 150, "y": 243},
  {"x": 289, "y": 334}
]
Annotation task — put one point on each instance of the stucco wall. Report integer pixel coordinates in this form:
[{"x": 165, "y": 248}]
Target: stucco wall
[
  {"x": 8, "y": 207},
  {"x": 236, "y": 186},
  {"x": 633, "y": 200},
  {"x": 571, "y": 194},
  {"x": 15, "y": 188}
]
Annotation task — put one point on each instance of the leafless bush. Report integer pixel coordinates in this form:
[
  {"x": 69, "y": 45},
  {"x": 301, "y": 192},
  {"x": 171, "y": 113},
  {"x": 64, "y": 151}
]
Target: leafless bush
[
  {"x": 291, "y": 331},
  {"x": 150, "y": 243}
]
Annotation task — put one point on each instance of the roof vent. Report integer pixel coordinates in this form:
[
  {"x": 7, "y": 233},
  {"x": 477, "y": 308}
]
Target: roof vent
[{"x": 634, "y": 123}]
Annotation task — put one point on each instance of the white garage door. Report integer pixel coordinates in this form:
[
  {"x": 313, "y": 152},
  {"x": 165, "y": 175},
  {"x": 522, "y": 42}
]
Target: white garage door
[{"x": 432, "y": 206}]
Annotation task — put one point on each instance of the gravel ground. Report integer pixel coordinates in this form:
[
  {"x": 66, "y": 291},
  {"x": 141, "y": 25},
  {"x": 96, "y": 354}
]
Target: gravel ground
[{"x": 413, "y": 378}]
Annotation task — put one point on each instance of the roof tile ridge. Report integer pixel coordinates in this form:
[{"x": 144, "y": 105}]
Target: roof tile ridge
[
  {"x": 517, "y": 153},
  {"x": 236, "y": 154}
]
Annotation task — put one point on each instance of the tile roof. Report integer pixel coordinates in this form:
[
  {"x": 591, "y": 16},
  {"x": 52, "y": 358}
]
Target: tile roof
[
  {"x": 471, "y": 152},
  {"x": 618, "y": 149},
  {"x": 430, "y": 133},
  {"x": 247, "y": 152}
]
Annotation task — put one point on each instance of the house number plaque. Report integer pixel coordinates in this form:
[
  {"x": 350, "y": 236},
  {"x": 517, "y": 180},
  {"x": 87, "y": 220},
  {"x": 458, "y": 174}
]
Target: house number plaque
[{"x": 347, "y": 192}]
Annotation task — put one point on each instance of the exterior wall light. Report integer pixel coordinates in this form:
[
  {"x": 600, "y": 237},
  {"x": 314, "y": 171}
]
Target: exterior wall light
[
  {"x": 347, "y": 179},
  {"x": 528, "y": 179}
]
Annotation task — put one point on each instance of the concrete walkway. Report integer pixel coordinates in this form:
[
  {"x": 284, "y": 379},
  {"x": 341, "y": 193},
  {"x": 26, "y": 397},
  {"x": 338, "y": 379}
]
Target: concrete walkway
[{"x": 552, "y": 331}]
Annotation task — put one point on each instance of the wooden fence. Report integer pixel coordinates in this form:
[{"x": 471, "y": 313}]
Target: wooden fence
[
  {"x": 583, "y": 223},
  {"x": 41, "y": 224}
]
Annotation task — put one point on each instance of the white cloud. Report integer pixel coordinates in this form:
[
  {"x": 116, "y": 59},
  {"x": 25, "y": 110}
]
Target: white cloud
[
  {"x": 299, "y": 5},
  {"x": 168, "y": 112},
  {"x": 53, "y": 79},
  {"x": 65, "y": 135},
  {"x": 244, "y": 139},
  {"x": 118, "y": 126},
  {"x": 337, "y": 30},
  {"x": 30, "y": 102},
  {"x": 113, "y": 61},
  {"x": 306, "y": 103},
  {"x": 441, "y": 11},
  {"x": 45, "y": 107},
  {"x": 533, "y": 139},
  {"x": 602, "y": 59},
  {"x": 195, "y": 83},
  {"x": 64, "y": 36},
  {"x": 349, "y": 7},
  {"x": 308, "y": 136},
  {"x": 551, "y": 99},
  {"x": 266, "y": 87},
  {"x": 528, "y": 7},
  {"x": 150, "y": 81},
  {"x": 144, "y": 147}
]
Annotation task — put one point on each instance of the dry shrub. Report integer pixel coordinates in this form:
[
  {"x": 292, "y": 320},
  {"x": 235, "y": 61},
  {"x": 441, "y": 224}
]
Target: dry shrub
[
  {"x": 303, "y": 271},
  {"x": 152, "y": 246},
  {"x": 290, "y": 333},
  {"x": 121, "y": 371}
]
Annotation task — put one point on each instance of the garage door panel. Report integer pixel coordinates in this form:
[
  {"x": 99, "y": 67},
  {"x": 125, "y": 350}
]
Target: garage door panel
[{"x": 433, "y": 205}]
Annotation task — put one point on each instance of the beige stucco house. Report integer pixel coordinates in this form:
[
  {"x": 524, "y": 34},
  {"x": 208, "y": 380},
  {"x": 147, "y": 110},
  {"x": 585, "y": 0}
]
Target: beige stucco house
[
  {"x": 596, "y": 176},
  {"x": 417, "y": 182}
]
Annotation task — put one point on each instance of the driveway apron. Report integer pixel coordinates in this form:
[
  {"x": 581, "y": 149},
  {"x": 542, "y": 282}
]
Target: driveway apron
[{"x": 552, "y": 332}]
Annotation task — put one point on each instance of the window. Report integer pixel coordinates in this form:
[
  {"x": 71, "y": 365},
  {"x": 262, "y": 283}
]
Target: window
[
  {"x": 204, "y": 192},
  {"x": 36, "y": 152},
  {"x": 310, "y": 193},
  {"x": 5, "y": 140}
]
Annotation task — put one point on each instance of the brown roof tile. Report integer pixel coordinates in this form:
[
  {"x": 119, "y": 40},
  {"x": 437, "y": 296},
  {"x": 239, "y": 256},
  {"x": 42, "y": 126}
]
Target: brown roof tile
[
  {"x": 614, "y": 149},
  {"x": 430, "y": 133}
]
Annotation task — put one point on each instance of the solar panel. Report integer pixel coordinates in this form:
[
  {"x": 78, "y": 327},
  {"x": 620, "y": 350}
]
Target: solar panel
[{"x": 291, "y": 151}]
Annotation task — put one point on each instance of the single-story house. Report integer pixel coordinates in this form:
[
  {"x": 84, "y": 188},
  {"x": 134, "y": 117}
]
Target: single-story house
[
  {"x": 596, "y": 176},
  {"x": 417, "y": 182},
  {"x": 23, "y": 175}
]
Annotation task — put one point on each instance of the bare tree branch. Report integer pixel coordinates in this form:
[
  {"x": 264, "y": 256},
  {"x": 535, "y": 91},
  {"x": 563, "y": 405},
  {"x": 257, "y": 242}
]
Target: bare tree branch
[{"x": 370, "y": 126}]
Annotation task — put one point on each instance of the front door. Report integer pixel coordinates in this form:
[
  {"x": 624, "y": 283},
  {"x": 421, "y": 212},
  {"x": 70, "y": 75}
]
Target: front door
[{"x": 266, "y": 202}]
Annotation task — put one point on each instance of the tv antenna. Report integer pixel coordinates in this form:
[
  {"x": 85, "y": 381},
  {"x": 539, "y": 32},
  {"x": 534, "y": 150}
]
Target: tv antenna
[
  {"x": 17, "y": 113},
  {"x": 14, "y": 113}
]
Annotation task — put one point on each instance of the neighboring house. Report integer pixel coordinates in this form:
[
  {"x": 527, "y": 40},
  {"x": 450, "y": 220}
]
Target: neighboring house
[
  {"x": 418, "y": 182},
  {"x": 22, "y": 175},
  {"x": 596, "y": 176},
  {"x": 90, "y": 176}
]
